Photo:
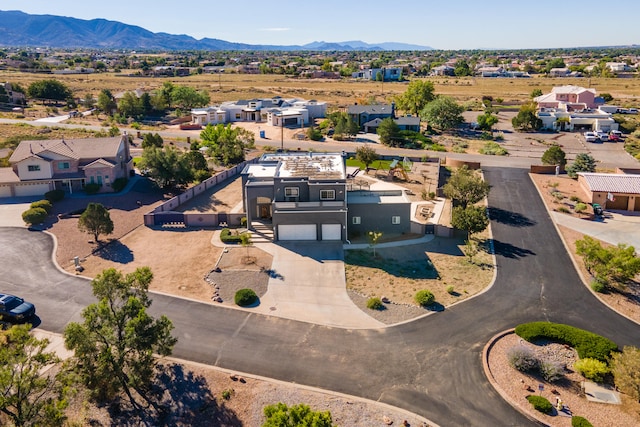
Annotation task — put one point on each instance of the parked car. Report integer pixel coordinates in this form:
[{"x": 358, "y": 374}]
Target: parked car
[
  {"x": 602, "y": 136},
  {"x": 15, "y": 308},
  {"x": 632, "y": 111},
  {"x": 613, "y": 137},
  {"x": 616, "y": 133},
  {"x": 590, "y": 136}
]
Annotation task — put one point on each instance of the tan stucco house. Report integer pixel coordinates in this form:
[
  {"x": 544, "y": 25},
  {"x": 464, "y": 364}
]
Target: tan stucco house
[{"x": 612, "y": 191}]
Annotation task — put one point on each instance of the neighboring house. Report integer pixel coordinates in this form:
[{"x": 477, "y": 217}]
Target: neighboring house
[
  {"x": 618, "y": 67},
  {"x": 443, "y": 70},
  {"x": 559, "y": 72},
  {"x": 319, "y": 74},
  {"x": 41, "y": 166},
  {"x": 274, "y": 111},
  {"x": 404, "y": 123},
  {"x": 387, "y": 74},
  {"x": 577, "y": 107},
  {"x": 305, "y": 196},
  {"x": 612, "y": 191},
  {"x": 14, "y": 96},
  {"x": 362, "y": 114}
]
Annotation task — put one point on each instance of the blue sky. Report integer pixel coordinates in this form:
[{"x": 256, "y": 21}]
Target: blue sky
[{"x": 461, "y": 24}]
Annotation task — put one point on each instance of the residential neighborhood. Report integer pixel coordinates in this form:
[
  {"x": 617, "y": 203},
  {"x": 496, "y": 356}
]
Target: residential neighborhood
[{"x": 348, "y": 235}]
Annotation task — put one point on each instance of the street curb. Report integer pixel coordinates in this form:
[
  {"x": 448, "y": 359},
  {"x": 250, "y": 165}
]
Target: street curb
[
  {"x": 487, "y": 372},
  {"x": 585, "y": 282}
]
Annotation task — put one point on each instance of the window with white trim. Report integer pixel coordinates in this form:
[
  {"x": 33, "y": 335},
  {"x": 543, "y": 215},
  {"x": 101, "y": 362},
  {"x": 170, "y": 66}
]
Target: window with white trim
[
  {"x": 33, "y": 168},
  {"x": 356, "y": 220},
  {"x": 395, "y": 220},
  {"x": 327, "y": 194},
  {"x": 291, "y": 192},
  {"x": 63, "y": 165}
]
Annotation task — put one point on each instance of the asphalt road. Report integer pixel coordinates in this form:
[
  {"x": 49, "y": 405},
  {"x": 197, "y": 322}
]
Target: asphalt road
[{"x": 431, "y": 366}]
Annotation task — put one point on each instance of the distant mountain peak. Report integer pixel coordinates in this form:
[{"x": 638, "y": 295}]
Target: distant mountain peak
[{"x": 21, "y": 29}]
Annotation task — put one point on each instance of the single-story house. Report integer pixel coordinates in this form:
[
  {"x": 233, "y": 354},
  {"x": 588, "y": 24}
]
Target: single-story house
[
  {"x": 612, "y": 191},
  {"x": 305, "y": 196},
  {"x": 41, "y": 166},
  {"x": 404, "y": 123}
]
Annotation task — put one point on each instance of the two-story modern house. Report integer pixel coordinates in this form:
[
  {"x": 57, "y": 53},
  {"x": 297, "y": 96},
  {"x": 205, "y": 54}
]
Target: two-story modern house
[
  {"x": 41, "y": 166},
  {"x": 305, "y": 196},
  {"x": 362, "y": 114}
]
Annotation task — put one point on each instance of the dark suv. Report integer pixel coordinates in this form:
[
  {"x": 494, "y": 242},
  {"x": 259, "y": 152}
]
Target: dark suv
[{"x": 15, "y": 308}]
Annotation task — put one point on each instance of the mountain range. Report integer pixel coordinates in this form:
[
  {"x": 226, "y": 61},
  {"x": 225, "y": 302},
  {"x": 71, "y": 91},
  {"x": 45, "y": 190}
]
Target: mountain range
[{"x": 19, "y": 29}]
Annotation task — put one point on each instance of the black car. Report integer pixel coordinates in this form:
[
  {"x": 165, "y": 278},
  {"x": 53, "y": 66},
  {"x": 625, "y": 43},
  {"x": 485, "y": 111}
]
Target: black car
[{"x": 15, "y": 309}]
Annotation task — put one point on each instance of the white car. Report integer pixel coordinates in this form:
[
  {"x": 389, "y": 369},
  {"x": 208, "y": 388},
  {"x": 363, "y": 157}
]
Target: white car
[
  {"x": 590, "y": 136},
  {"x": 602, "y": 136}
]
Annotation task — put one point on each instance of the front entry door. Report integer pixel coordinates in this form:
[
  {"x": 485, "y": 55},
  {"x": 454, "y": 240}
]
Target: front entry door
[{"x": 265, "y": 212}]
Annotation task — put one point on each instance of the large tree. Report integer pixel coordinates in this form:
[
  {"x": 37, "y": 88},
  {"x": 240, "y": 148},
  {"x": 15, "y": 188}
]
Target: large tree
[
  {"x": 418, "y": 94},
  {"x": 389, "y": 132},
  {"x": 472, "y": 219},
  {"x": 130, "y": 105},
  {"x": 583, "y": 163},
  {"x": 168, "y": 167},
  {"x": 554, "y": 155},
  {"x": 106, "y": 102},
  {"x": 49, "y": 90},
  {"x": 186, "y": 98},
  {"x": 527, "y": 118},
  {"x": 115, "y": 345},
  {"x": 95, "y": 220},
  {"x": 226, "y": 143},
  {"x": 465, "y": 187},
  {"x": 29, "y": 394},
  {"x": 625, "y": 367},
  {"x": 366, "y": 155},
  {"x": 486, "y": 121},
  {"x": 612, "y": 266},
  {"x": 443, "y": 113}
]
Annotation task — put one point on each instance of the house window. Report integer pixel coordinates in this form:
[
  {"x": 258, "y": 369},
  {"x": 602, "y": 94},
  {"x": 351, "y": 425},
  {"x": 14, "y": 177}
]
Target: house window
[
  {"x": 238, "y": 116},
  {"x": 291, "y": 191},
  {"x": 395, "y": 220},
  {"x": 34, "y": 168},
  {"x": 63, "y": 165},
  {"x": 327, "y": 194},
  {"x": 356, "y": 220}
]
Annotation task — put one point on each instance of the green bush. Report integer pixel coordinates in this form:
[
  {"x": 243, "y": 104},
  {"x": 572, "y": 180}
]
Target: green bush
[
  {"x": 375, "y": 303},
  {"x": 245, "y": 297},
  {"x": 493, "y": 149},
  {"x": 243, "y": 221},
  {"x": 228, "y": 237},
  {"x": 591, "y": 369},
  {"x": 119, "y": 184},
  {"x": 435, "y": 147},
  {"x": 91, "y": 188},
  {"x": 522, "y": 358},
  {"x": 34, "y": 216},
  {"x": 563, "y": 209},
  {"x": 424, "y": 298},
  {"x": 54, "y": 195},
  {"x": 540, "y": 404},
  {"x": 201, "y": 175},
  {"x": 450, "y": 290},
  {"x": 44, "y": 204},
  {"x": 586, "y": 343},
  {"x": 577, "y": 421},
  {"x": 598, "y": 286}
]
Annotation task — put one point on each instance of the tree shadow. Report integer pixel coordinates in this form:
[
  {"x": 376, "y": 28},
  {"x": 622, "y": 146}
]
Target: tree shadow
[
  {"x": 513, "y": 219},
  {"x": 273, "y": 274},
  {"x": 421, "y": 268},
  {"x": 181, "y": 398},
  {"x": 508, "y": 250},
  {"x": 115, "y": 251}
]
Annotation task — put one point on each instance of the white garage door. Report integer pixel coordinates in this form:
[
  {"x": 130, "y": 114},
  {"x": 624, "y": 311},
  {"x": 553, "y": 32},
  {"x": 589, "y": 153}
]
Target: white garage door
[
  {"x": 297, "y": 232},
  {"x": 31, "y": 189},
  {"x": 5, "y": 191},
  {"x": 331, "y": 232}
]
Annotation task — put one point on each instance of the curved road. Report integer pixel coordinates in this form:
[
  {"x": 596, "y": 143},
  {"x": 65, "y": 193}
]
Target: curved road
[{"x": 431, "y": 366}]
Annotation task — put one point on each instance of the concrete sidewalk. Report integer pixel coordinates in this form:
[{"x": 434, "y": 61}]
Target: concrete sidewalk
[{"x": 614, "y": 228}]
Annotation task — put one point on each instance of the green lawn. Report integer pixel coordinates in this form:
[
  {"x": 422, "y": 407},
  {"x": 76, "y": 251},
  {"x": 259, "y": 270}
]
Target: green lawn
[{"x": 378, "y": 164}]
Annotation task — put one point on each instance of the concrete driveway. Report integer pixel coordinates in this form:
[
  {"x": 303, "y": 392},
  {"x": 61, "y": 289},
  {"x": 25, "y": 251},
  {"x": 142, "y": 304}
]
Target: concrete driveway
[
  {"x": 11, "y": 211},
  {"x": 308, "y": 284},
  {"x": 614, "y": 228}
]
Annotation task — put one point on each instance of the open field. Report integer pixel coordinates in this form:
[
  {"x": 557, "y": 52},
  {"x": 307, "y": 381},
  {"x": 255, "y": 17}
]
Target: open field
[{"x": 339, "y": 93}]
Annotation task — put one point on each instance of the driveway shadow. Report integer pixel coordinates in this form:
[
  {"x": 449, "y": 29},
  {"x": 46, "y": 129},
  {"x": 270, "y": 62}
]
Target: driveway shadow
[
  {"x": 513, "y": 219},
  {"x": 115, "y": 251},
  {"x": 508, "y": 250}
]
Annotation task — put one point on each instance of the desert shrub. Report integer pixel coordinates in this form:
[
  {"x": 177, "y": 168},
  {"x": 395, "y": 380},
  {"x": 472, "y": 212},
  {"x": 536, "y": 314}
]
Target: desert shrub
[
  {"x": 493, "y": 149},
  {"x": 540, "y": 403},
  {"x": 245, "y": 297},
  {"x": 551, "y": 370},
  {"x": 435, "y": 147},
  {"x": 450, "y": 290},
  {"x": 577, "y": 421},
  {"x": 522, "y": 358},
  {"x": 575, "y": 199},
  {"x": 580, "y": 207},
  {"x": 243, "y": 221},
  {"x": 563, "y": 209},
  {"x": 226, "y": 394},
  {"x": 54, "y": 195},
  {"x": 119, "y": 184},
  {"x": 226, "y": 236},
  {"x": 586, "y": 343},
  {"x": 432, "y": 195},
  {"x": 44, "y": 204},
  {"x": 375, "y": 303},
  {"x": 424, "y": 297},
  {"x": 92, "y": 188},
  {"x": 591, "y": 369},
  {"x": 598, "y": 286},
  {"x": 34, "y": 216}
]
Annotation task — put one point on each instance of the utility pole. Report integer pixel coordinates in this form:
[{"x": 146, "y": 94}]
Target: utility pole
[{"x": 281, "y": 132}]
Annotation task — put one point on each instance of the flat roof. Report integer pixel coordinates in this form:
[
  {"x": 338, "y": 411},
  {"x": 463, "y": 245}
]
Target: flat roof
[
  {"x": 262, "y": 171},
  {"x": 310, "y": 165},
  {"x": 372, "y": 197}
]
